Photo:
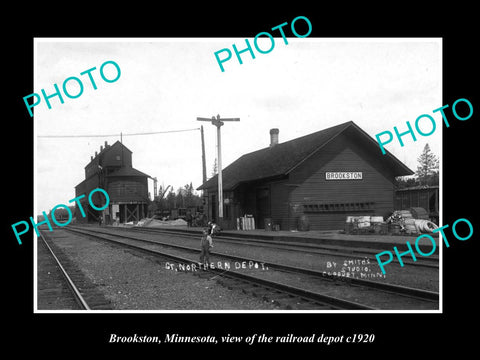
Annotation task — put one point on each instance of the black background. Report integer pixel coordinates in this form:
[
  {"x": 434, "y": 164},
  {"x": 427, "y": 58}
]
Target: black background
[{"x": 395, "y": 334}]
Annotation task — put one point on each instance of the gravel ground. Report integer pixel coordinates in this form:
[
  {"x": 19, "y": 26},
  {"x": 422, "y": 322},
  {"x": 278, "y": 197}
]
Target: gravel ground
[
  {"x": 425, "y": 278},
  {"x": 52, "y": 289},
  {"x": 140, "y": 282},
  {"x": 340, "y": 289},
  {"x": 371, "y": 297}
]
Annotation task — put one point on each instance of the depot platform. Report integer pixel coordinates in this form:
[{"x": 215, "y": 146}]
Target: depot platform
[{"x": 316, "y": 237}]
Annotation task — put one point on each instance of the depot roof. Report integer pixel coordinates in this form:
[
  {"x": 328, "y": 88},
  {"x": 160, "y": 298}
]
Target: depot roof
[
  {"x": 281, "y": 159},
  {"x": 127, "y": 171}
]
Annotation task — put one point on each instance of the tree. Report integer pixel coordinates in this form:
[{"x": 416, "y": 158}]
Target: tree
[
  {"x": 184, "y": 197},
  {"x": 402, "y": 182},
  {"x": 188, "y": 195},
  {"x": 428, "y": 167},
  {"x": 171, "y": 200},
  {"x": 215, "y": 169}
]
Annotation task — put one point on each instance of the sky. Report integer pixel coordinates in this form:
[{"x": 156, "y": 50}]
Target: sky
[{"x": 166, "y": 83}]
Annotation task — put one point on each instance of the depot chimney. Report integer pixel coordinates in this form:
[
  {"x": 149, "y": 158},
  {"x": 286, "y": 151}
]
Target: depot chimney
[{"x": 273, "y": 137}]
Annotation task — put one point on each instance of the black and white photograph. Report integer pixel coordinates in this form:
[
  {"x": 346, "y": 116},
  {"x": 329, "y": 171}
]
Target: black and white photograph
[
  {"x": 255, "y": 186},
  {"x": 220, "y": 182}
]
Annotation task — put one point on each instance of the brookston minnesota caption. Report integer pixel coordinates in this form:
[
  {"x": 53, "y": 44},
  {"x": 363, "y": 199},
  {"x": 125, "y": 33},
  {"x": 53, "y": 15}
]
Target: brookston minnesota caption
[{"x": 254, "y": 338}]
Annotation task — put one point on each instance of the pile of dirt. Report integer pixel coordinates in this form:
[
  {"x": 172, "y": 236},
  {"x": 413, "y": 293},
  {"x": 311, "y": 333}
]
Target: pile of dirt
[{"x": 161, "y": 223}]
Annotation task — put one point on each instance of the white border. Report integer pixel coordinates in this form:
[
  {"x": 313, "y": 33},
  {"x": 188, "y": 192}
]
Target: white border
[{"x": 386, "y": 39}]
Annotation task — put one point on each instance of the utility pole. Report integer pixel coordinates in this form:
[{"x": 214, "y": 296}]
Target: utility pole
[
  {"x": 204, "y": 165},
  {"x": 155, "y": 194},
  {"x": 121, "y": 142},
  {"x": 218, "y": 122}
]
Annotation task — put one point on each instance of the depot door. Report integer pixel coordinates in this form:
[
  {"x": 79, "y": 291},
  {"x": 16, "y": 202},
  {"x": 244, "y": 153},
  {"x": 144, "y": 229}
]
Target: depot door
[
  {"x": 262, "y": 201},
  {"x": 213, "y": 208}
]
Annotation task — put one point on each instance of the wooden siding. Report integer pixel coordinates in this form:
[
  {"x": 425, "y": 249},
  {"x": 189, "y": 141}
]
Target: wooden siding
[
  {"x": 326, "y": 203},
  {"x": 373, "y": 195},
  {"x": 128, "y": 190},
  {"x": 113, "y": 156},
  {"x": 280, "y": 193},
  {"x": 427, "y": 198},
  {"x": 86, "y": 186}
]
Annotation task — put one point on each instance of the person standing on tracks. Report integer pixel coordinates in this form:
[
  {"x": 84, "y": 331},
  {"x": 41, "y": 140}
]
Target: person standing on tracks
[{"x": 206, "y": 244}]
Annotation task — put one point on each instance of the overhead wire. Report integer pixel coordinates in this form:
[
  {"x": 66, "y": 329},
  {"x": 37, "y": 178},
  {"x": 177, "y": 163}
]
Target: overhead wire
[{"x": 118, "y": 134}]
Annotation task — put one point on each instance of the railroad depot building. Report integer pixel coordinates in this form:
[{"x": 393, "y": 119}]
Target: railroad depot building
[
  {"x": 111, "y": 169},
  {"x": 323, "y": 177}
]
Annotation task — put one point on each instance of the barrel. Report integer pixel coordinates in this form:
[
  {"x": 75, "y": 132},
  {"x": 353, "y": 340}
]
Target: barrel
[
  {"x": 383, "y": 228},
  {"x": 303, "y": 223},
  {"x": 349, "y": 226},
  {"x": 394, "y": 229},
  {"x": 268, "y": 224}
]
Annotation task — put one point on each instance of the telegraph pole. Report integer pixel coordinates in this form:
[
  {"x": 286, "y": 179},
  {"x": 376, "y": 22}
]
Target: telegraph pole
[
  {"x": 204, "y": 166},
  {"x": 218, "y": 122}
]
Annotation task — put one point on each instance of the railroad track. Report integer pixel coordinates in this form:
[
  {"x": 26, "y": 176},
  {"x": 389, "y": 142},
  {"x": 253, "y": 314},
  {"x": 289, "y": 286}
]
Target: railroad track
[
  {"x": 396, "y": 289},
  {"x": 74, "y": 291},
  {"x": 355, "y": 252},
  {"x": 84, "y": 294},
  {"x": 287, "y": 293},
  {"x": 286, "y": 296}
]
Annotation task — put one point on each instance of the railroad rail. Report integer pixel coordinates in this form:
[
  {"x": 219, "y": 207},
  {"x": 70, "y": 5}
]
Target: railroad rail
[
  {"x": 361, "y": 253},
  {"x": 79, "y": 299},
  {"x": 292, "y": 297},
  {"x": 284, "y": 289},
  {"x": 396, "y": 289}
]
